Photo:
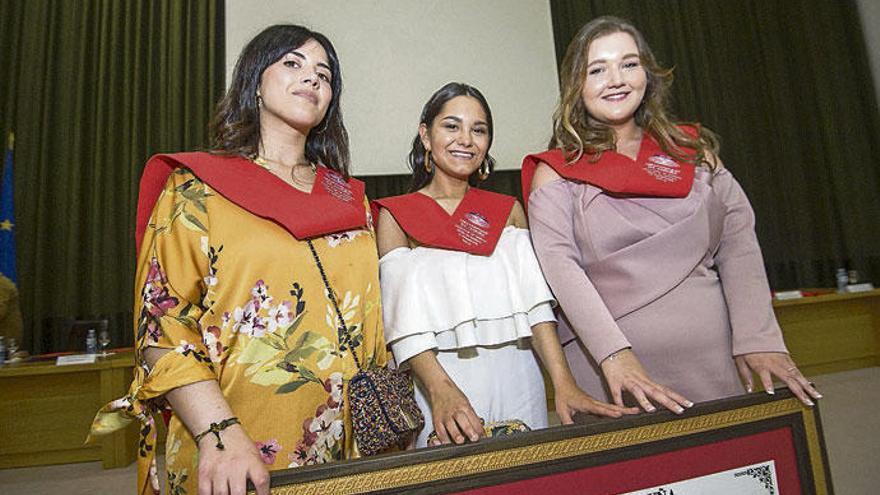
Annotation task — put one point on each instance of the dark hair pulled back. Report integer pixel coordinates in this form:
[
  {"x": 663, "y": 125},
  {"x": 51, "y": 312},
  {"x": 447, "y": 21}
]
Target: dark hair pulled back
[{"x": 416, "y": 159}]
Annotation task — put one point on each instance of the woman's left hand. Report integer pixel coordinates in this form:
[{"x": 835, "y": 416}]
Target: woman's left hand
[
  {"x": 780, "y": 364},
  {"x": 570, "y": 399}
]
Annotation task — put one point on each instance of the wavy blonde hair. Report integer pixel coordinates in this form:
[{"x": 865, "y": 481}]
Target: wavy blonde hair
[{"x": 576, "y": 133}]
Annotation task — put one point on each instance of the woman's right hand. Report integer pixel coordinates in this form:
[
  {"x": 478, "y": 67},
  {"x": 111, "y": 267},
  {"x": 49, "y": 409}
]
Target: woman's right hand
[
  {"x": 623, "y": 371},
  {"x": 225, "y": 472},
  {"x": 454, "y": 418}
]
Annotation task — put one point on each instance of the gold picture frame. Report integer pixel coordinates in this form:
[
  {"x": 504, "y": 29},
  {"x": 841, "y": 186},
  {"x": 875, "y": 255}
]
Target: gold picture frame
[{"x": 590, "y": 443}]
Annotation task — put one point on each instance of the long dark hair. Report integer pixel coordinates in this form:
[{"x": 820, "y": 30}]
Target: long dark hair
[
  {"x": 576, "y": 133},
  {"x": 416, "y": 158},
  {"x": 235, "y": 128}
]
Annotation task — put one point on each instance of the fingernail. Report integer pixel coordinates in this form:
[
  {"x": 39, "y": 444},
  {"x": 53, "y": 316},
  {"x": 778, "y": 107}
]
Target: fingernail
[
  {"x": 688, "y": 404},
  {"x": 679, "y": 409},
  {"x": 650, "y": 408},
  {"x": 818, "y": 396},
  {"x": 771, "y": 391},
  {"x": 750, "y": 389},
  {"x": 809, "y": 403}
]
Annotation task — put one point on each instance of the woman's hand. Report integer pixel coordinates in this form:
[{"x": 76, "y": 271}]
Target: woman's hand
[
  {"x": 623, "y": 371},
  {"x": 570, "y": 399},
  {"x": 221, "y": 472},
  {"x": 454, "y": 418},
  {"x": 767, "y": 364},
  {"x": 225, "y": 472}
]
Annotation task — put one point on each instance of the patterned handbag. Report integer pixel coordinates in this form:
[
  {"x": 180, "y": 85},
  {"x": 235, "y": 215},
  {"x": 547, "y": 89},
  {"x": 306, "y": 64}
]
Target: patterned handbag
[{"x": 383, "y": 406}]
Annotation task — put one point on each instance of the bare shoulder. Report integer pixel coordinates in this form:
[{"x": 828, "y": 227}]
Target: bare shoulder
[
  {"x": 517, "y": 216},
  {"x": 389, "y": 235},
  {"x": 543, "y": 174}
]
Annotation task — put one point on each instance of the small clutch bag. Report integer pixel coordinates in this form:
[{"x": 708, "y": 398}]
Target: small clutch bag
[{"x": 384, "y": 412}]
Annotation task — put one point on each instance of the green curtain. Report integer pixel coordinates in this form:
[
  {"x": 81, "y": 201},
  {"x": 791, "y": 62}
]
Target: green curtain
[
  {"x": 787, "y": 85},
  {"x": 91, "y": 88}
]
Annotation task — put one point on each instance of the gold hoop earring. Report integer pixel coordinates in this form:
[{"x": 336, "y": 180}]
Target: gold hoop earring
[
  {"x": 484, "y": 170},
  {"x": 428, "y": 167}
]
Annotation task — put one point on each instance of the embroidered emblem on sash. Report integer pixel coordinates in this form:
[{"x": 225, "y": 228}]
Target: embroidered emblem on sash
[
  {"x": 473, "y": 229},
  {"x": 334, "y": 184},
  {"x": 663, "y": 168}
]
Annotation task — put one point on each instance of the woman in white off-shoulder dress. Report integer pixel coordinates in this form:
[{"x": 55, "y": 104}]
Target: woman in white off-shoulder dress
[{"x": 464, "y": 300}]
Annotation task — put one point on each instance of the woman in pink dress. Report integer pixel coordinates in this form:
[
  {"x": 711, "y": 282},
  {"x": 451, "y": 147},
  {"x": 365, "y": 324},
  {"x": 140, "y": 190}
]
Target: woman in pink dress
[{"x": 646, "y": 240}]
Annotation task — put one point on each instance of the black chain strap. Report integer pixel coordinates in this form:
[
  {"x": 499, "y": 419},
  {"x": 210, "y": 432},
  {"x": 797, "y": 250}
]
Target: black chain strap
[{"x": 343, "y": 329}]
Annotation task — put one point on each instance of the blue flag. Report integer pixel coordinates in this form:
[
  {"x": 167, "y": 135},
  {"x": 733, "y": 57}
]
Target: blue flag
[{"x": 7, "y": 220}]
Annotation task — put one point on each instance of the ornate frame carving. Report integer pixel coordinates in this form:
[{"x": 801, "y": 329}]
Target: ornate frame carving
[{"x": 591, "y": 442}]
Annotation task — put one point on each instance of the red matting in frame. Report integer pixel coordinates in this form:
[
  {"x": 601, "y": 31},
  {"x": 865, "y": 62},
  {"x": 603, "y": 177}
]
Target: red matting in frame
[{"x": 669, "y": 467}]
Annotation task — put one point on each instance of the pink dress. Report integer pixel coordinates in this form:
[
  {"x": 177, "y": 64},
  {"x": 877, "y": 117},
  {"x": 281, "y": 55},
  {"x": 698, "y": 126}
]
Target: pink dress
[{"x": 680, "y": 280}]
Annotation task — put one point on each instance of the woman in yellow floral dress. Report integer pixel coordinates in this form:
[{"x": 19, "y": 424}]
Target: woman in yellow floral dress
[{"x": 233, "y": 319}]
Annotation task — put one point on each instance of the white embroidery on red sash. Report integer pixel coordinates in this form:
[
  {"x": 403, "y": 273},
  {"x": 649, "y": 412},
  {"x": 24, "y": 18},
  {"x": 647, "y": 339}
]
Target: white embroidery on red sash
[
  {"x": 473, "y": 229},
  {"x": 477, "y": 219},
  {"x": 663, "y": 168},
  {"x": 336, "y": 185}
]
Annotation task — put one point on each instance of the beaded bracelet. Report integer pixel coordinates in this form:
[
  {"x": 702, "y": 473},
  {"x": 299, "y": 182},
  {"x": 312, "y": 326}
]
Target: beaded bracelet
[{"x": 216, "y": 428}]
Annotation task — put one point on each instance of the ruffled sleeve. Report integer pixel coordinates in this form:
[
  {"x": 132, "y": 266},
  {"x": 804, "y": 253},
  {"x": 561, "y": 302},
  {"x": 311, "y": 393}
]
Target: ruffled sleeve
[
  {"x": 172, "y": 280},
  {"x": 442, "y": 299}
]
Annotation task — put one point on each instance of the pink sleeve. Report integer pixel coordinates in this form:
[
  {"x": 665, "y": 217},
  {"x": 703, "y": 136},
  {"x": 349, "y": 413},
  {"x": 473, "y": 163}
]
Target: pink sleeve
[
  {"x": 741, "y": 268},
  {"x": 550, "y": 220}
]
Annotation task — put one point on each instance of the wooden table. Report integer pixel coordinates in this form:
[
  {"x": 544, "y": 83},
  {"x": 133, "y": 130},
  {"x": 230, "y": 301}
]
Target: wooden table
[
  {"x": 46, "y": 411},
  {"x": 832, "y": 332}
]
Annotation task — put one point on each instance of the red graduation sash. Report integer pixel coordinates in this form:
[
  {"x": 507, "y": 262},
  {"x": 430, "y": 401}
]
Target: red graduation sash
[
  {"x": 652, "y": 173},
  {"x": 334, "y": 204},
  {"x": 474, "y": 227}
]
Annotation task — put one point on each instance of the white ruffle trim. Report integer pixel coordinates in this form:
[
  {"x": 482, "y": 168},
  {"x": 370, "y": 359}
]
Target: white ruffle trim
[{"x": 443, "y": 299}]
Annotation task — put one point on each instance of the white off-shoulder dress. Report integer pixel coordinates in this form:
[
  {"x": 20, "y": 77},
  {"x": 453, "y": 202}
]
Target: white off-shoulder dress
[{"x": 476, "y": 312}]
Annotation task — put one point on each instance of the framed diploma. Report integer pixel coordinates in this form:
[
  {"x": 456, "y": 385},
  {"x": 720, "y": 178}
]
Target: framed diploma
[{"x": 753, "y": 444}]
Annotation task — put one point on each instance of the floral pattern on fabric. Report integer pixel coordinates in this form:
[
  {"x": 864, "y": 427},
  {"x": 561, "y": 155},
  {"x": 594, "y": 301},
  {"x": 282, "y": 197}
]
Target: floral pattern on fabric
[
  {"x": 210, "y": 279},
  {"x": 268, "y": 450},
  {"x": 176, "y": 479},
  {"x": 334, "y": 240},
  {"x": 156, "y": 303},
  {"x": 323, "y": 432},
  {"x": 279, "y": 352},
  {"x": 235, "y": 298}
]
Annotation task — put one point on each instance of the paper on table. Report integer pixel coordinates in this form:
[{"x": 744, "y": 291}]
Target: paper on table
[
  {"x": 76, "y": 359},
  {"x": 788, "y": 294},
  {"x": 863, "y": 287}
]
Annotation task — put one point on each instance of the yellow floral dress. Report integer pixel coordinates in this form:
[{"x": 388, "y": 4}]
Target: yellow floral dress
[{"x": 239, "y": 300}]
